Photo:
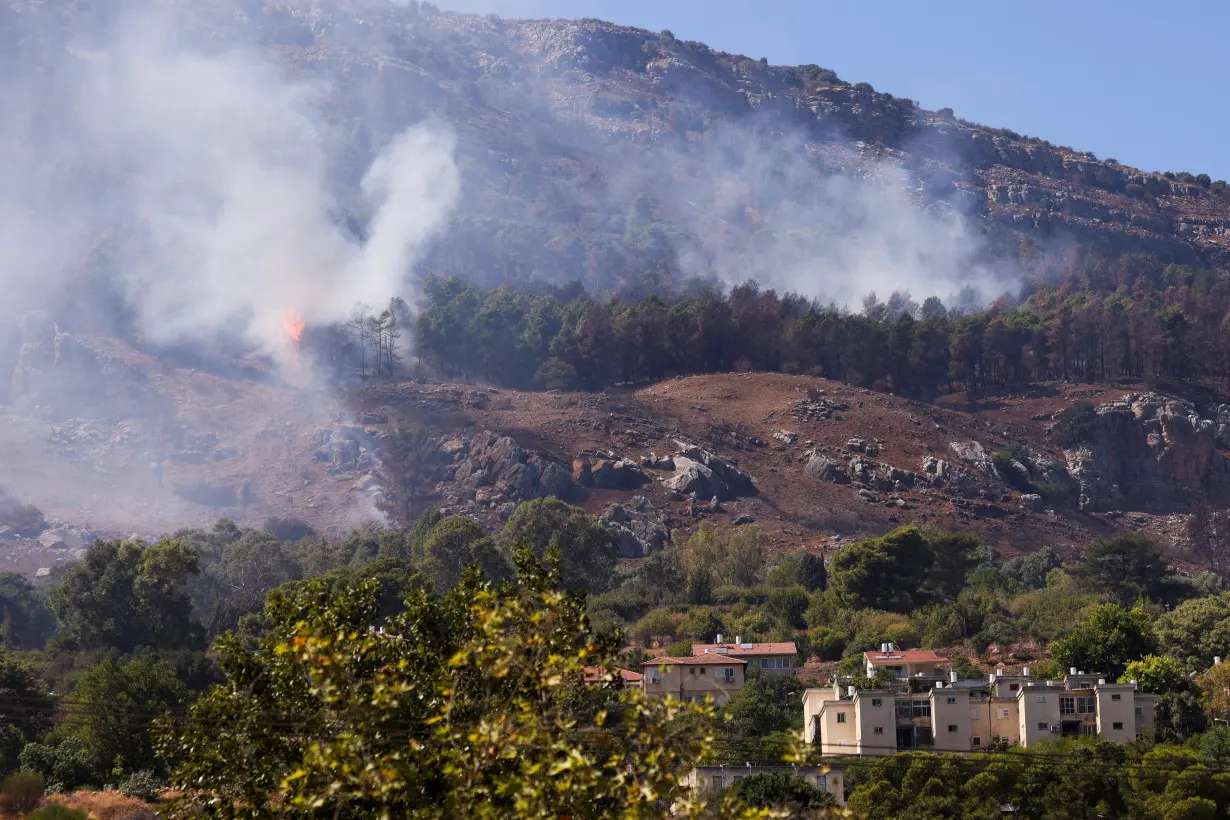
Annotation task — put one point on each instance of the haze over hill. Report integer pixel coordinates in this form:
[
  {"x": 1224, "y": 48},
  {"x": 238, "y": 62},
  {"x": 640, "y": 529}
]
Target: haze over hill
[{"x": 179, "y": 177}]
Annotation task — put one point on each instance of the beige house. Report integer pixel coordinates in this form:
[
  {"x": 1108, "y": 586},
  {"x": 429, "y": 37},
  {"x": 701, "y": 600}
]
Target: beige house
[
  {"x": 767, "y": 657},
  {"x": 714, "y": 778},
  {"x": 904, "y": 663},
  {"x": 962, "y": 716},
  {"x": 689, "y": 679}
]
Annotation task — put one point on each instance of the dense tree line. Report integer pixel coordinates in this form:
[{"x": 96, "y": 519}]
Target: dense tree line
[{"x": 1106, "y": 318}]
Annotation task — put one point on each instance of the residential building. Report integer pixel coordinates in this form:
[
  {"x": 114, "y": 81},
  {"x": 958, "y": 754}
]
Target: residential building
[
  {"x": 689, "y": 679},
  {"x": 904, "y": 663},
  {"x": 593, "y": 673},
  {"x": 962, "y": 716},
  {"x": 717, "y": 777},
  {"x": 767, "y": 657}
]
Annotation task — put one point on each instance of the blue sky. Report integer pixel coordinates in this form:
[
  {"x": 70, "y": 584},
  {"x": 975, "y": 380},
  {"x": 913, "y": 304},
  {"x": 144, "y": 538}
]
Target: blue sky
[{"x": 1143, "y": 81}]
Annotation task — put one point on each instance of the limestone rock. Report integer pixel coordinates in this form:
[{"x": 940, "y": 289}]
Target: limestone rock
[
  {"x": 826, "y": 469},
  {"x": 639, "y": 528}
]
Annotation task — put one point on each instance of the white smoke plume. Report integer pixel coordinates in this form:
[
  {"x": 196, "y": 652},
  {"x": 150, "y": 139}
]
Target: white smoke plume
[{"x": 218, "y": 164}]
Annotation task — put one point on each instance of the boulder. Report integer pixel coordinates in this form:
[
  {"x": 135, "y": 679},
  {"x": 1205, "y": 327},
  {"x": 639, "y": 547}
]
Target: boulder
[
  {"x": 638, "y": 527},
  {"x": 826, "y": 469},
  {"x": 974, "y": 454},
  {"x": 728, "y": 480}
]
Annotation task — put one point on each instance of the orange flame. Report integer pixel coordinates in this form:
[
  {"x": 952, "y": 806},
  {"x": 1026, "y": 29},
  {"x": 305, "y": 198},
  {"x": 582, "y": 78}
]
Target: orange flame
[{"x": 293, "y": 323}]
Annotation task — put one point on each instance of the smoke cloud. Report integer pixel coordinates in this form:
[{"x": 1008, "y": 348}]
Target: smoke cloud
[{"x": 207, "y": 172}]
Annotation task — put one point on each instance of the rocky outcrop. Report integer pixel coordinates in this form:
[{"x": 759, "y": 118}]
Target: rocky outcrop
[
  {"x": 702, "y": 473},
  {"x": 639, "y": 528},
  {"x": 494, "y": 470},
  {"x": 608, "y": 474},
  {"x": 1148, "y": 451},
  {"x": 975, "y": 455},
  {"x": 826, "y": 469}
]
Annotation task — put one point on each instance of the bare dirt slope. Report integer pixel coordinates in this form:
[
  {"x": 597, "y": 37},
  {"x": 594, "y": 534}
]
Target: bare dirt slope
[{"x": 244, "y": 446}]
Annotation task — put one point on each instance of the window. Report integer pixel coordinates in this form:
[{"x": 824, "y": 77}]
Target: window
[
  {"x": 897, "y": 671},
  {"x": 822, "y": 782},
  {"x": 703, "y": 670},
  {"x": 975, "y": 713},
  {"x": 728, "y": 674},
  {"x": 718, "y": 782},
  {"x": 774, "y": 663},
  {"x": 1003, "y": 714},
  {"x": 1140, "y": 711},
  {"x": 841, "y": 717},
  {"x": 1086, "y": 705},
  {"x": 1117, "y": 726},
  {"x": 1042, "y": 727},
  {"x": 692, "y": 671},
  {"x": 1116, "y": 697},
  {"x": 877, "y": 702},
  {"x": 1067, "y": 705},
  {"x": 1139, "y": 736},
  {"x": 952, "y": 700},
  {"x": 914, "y": 709},
  {"x": 1012, "y": 687},
  {"x": 877, "y": 730},
  {"x": 952, "y": 727},
  {"x": 975, "y": 741},
  {"x": 653, "y": 675},
  {"x": 1041, "y": 698}
]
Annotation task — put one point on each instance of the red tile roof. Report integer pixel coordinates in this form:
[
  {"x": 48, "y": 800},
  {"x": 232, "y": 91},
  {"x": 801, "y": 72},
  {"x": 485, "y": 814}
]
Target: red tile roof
[
  {"x": 903, "y": 656},
  {"x": 592, "y": 673},
  {"x": 703, "y": 660},
  {"x": 786, "y": 648}
]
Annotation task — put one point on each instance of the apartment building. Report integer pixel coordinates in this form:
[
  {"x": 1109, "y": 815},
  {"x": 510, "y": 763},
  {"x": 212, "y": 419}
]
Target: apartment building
[
  {"x": 709, "y": 779},
  {"x": 767, "y": 657},
  {"x": 903, "y": 663},
  {"x": 689, "y": 679},
  {"x": 963, "y": 716}
]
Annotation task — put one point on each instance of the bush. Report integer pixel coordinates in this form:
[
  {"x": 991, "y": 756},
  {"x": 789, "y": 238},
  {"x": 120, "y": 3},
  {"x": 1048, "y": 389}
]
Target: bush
[
  {"x": 21, "y": 791},
  {"x": 679, "y": 649},
  {"x": 142, "y": 785}
]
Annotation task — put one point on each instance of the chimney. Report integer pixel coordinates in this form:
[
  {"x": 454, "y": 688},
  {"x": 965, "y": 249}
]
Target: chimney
[
  {"x": 719, "y": 638},
  {"x": 738, "y": 639},
  {"x": 1025, "y": 671},
  {"x": 1217, "y": 660},
  {"x": 952, "y": 675},
  {"x": 999, "y": 672},
  {"x": 1071, "y": 670},
  {"x": 850, "y": 691},
  {"x": 1133, "y": 684},
  {"x": 1101, "y": 681}
]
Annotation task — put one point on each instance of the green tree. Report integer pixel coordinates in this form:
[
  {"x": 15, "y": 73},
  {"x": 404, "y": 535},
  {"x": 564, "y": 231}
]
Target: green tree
[
  {"x": 887, "y": 573},
  {"x": 954, "y": 555},
  {"x": 588, "y": 553},
  {"x": 408, "y": 461},
  {"x": 804, "y": 568},
  {"x": 1198, "y": 630},
  {"x": 1125, "y": 567},
  {"x": 123, "y": 594},
  {"x": 30, "y": 708},
  {"x": 1107, "y": 641},
  {"x": 717, "y": 556},
  {"x": 768, "y": 703},
  {"x": 1159, "y": 674},
  {"x": 459, "y": 709},
  {"x": 112, "y": 706},
  {"x": 25, "y": 621},
  {"x": 787, "y": 605},
  {"x": 454, "y": 544},
  {"x": 782, "y": 791},
  {"x": 702, "y": 624}
]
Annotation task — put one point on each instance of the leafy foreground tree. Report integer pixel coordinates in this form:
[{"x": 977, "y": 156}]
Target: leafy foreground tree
[{"x": 470, "y": 704}]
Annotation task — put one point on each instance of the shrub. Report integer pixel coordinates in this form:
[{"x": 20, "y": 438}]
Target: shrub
[
  {"x": 142, "y": 785},
  {"x": 21, "y": 791},
  {"x": 679, "y": 649}
]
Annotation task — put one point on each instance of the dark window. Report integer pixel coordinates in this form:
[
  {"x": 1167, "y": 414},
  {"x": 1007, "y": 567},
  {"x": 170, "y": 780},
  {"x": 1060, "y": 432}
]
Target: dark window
[
  {"x": 1115, "y": 697},
  {"x": 1117, "y": 725},
  {"x": 877, "y": 702},
  {"x": 878, "y": 730},
  {"x": 952, "y": 727},
  {"x": 1042, "y": 726},
  {"x": 841, "y": 717}
]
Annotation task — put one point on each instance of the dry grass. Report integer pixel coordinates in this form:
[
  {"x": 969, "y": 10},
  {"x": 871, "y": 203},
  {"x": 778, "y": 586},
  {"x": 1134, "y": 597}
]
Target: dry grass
[{"x": 107, "y": 805}]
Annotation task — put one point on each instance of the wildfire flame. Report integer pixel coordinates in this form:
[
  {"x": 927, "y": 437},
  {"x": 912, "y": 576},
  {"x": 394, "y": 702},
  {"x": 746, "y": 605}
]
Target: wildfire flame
[{"x": 293, "y": 323}]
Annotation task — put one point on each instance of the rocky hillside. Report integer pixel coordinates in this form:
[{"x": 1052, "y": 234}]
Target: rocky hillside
[{"x": 613, "y": 154}]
